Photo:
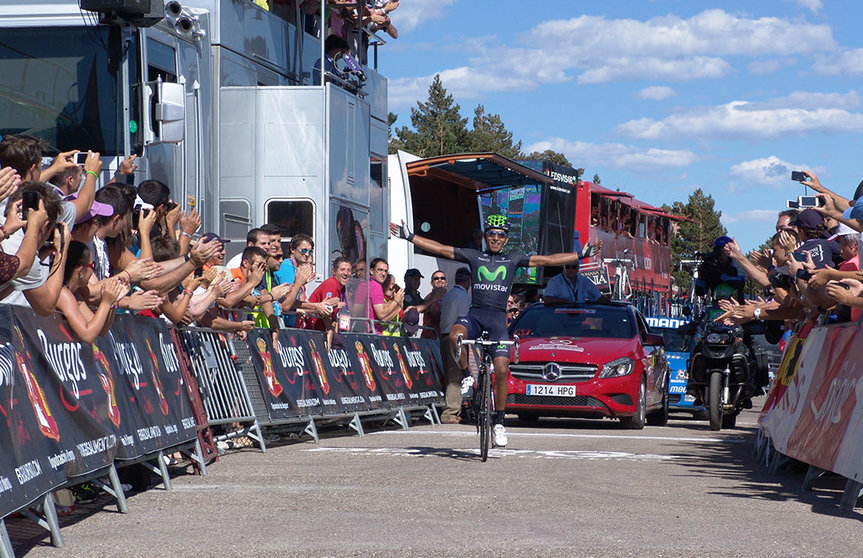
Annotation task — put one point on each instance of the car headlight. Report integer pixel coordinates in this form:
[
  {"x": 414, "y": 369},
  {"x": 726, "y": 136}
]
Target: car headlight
[
  {"x": 718, "y": 338},
  {"x": 617, "y": 368}
]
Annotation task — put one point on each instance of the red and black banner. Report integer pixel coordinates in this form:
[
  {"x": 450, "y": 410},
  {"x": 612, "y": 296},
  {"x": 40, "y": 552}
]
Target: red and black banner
[{"x": 70, "y": 408}]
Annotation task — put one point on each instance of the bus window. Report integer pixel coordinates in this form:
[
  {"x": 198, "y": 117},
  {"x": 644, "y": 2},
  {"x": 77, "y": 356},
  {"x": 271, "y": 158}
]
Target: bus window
[{"x": 294, "y": 216}]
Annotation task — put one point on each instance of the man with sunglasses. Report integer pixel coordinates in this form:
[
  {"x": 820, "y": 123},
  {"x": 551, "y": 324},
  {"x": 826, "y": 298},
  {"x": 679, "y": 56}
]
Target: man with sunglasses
[
  {"x": 492, "y": 273},
  {"x": 570, "y": 286}
]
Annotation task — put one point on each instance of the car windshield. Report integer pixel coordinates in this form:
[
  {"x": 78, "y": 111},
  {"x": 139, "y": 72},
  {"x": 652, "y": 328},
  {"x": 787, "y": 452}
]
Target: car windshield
[
  {"x": 597, "y": 321},
  {"x": 674, "y": 342}
]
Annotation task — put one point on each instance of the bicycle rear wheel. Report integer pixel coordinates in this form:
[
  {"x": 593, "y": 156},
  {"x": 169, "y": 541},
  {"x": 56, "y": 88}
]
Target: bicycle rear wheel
[{"x": 484, "y": 418}]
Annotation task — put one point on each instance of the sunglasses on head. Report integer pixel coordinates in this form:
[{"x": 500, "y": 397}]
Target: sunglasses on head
[{"x": 497, "y": 234}]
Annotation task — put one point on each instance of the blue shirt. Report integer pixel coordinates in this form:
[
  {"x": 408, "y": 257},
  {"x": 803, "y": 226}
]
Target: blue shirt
[{"x": 582, "y": 291}]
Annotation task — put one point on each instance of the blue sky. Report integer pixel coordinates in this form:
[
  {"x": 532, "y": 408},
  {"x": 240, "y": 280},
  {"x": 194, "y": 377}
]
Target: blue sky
[{"x": 657, "y": 97}]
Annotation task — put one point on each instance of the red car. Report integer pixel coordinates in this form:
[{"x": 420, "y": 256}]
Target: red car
[{"x": 588, "y": 360}]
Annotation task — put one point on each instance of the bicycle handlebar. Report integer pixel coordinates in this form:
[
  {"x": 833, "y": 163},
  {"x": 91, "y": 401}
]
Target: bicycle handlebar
[{"x": 492, "y": 343}]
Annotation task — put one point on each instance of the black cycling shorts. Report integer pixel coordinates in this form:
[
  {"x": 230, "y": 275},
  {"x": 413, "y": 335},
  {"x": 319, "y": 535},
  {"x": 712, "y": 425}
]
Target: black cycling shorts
[{"x": 494, "y": 322}]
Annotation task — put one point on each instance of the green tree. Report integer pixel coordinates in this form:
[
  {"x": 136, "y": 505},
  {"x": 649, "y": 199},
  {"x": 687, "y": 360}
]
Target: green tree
[
  {"x": 393, "y": 143},
  {"x": 489, "y": 135},
  {"x": 438, "y": 127},
  {"x": 695, "y": 234},
  {"x": 554, "y": 157}
]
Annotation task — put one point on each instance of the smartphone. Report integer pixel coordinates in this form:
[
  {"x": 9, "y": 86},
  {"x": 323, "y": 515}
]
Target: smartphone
[
  {"x": 845, "y": 286},
  {"x": 170, "y": 205},
  {"x": 792, "y": 204},
  {"x": 808, "y": 201},
  {"x": 799, "y": 176},
  {"x": 81, "y": 157},
  {"x": 30, "y": 200}
]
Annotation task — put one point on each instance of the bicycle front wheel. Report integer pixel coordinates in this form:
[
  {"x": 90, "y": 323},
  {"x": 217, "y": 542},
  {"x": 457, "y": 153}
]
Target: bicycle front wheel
[{"x": 484, "y": 418}]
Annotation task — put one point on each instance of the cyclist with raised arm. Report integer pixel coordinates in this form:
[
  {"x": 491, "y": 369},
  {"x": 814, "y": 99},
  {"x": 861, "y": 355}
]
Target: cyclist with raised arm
[{"x": 492, "y": 274}]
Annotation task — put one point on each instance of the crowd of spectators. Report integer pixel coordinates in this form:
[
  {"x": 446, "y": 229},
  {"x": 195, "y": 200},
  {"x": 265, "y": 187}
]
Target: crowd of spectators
[
  {"x": 612, "y": 216},
  {"x": 811, "y": 272},
  {"x": 86, "y": 253}
]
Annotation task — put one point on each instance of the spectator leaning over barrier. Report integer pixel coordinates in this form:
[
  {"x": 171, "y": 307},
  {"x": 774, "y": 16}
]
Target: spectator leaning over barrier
[
  {"x": 302, "y": 249},
  {"x": 380, "y": 309},
  {"x": 824, "y": 253},
  {"x": 83, "y": 322},
  {"x": 255, "y": 258},
  {"x": 255, "y": 237},
  {"x": 331, "y": 294},
  {"x": 14, "y": 266},
  {"x": 40, "y": 287}
]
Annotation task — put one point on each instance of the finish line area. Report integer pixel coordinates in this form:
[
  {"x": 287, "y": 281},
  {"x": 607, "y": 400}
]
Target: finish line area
[{"x": 583, "y": 490}]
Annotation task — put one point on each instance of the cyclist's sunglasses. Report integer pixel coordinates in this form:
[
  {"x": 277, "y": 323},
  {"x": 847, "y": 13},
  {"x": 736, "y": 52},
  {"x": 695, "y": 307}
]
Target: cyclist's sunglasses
[{"x": 497, "y": 234}]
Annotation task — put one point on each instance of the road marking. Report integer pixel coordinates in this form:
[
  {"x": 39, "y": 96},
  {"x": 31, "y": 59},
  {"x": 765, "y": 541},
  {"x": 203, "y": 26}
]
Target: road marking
[
  {"x": 461, "y": 452},
  {"x": 510, "y": 433}
]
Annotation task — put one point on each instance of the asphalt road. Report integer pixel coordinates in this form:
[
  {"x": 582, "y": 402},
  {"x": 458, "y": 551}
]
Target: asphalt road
[{"x": 561, "y": 488}]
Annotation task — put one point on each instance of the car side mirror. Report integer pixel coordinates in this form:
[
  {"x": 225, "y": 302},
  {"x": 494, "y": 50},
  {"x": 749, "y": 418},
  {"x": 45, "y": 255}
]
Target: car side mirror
[{"x": 654, "y": 340}]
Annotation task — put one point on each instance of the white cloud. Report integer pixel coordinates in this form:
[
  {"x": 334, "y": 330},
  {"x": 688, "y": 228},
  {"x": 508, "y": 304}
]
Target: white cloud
[
  {"x": 615, "y": 155},
  {"x": 812, "y": 5},
  {"x": 810, "y": 100},
  {"x": 770, "y": 170},
  {"x": 740, "y": 119},
  {"x": 656, "y": 93},
  {"x": 750, "y": 216},
  {"x": 848, "y": 62},
  {"x": 769, "y": 66},
  {"x": 410, "y": 15},
  {"x": 595, "y": 49}
]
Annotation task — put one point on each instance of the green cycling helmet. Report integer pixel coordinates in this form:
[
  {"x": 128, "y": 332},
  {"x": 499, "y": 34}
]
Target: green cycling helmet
[{"x": 497, "y": 222}]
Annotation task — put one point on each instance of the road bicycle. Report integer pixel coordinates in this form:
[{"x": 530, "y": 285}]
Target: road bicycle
[
  {"x": 622, "y": 288},
  {"x": 483, "y": 401}
]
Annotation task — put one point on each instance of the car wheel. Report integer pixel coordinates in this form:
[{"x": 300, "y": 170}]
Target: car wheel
[
  {"x": 636, "y": 422},
  {"x": 660, "y": 416},
  {"x": 528, "y": 417}
]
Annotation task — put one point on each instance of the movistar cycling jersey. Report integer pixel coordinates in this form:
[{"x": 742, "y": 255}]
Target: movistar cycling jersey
[{"x": 491, "y": 275}]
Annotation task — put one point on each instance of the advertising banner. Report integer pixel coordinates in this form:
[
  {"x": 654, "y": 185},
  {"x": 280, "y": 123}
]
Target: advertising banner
[
  {"x": 818, "y": 419},
  {"x": 72, "y": 408}
]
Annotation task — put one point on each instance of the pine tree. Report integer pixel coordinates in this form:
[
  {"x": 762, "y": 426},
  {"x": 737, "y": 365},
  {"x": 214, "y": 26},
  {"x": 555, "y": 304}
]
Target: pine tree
[
  {"x": 596, "y": 179},
  {"x": 489, "y": 135},
  {"x": 393, "y": 143},
  {"x": 553, "y": 157},
  {"x": 694, "y": 235},
  {"x": 438, "y": 128}
]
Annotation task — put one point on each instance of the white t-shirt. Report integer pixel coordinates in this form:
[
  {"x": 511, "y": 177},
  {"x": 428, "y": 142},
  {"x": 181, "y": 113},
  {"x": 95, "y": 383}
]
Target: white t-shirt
[{"x": 36, "y": 277}]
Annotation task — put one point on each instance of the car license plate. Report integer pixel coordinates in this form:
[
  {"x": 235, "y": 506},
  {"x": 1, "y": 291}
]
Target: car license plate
[{"x": 555, "y": 391}]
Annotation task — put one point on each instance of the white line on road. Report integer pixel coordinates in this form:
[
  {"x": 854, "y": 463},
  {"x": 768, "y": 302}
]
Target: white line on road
[
  {"x": 536, "y": 454},
  {"x": 512, "y": 434}
]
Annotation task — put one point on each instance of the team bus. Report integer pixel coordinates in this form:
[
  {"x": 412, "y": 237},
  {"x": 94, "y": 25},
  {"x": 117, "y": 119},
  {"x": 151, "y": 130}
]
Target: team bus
[{"x": 446, "y": 198}]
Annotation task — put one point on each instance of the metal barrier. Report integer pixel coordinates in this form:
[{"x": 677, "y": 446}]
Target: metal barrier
[{"x": 221, "y": 383}]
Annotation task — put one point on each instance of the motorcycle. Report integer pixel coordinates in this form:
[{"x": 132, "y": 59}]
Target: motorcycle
[{"x": 723, "y": 372}]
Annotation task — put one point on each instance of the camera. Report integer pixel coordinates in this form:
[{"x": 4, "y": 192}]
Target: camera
[
  {"x": 137, "y": 211},
  {"x": 81, "y": 157},
  {"x": 799, "y": 176},
  {"x": 29, "y": 200},
  {"x": 808, "y": 201},
  {"x": 780, "y": 281}
]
